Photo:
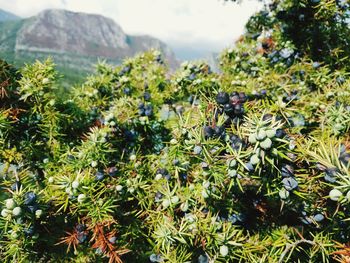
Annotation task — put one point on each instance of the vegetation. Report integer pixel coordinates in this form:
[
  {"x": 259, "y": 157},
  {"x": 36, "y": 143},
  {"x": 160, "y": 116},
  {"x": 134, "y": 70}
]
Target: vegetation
[{"x": 136, "y": 165}]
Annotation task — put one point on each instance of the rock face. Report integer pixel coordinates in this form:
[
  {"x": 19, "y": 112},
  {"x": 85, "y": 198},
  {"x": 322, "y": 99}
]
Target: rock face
[
  {"x": 62, "y": 31},
  {"x": 74, "y": 40}
]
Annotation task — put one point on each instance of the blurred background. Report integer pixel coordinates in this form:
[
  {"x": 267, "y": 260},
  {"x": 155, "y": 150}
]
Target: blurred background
[{"x": 78, "y": 32}]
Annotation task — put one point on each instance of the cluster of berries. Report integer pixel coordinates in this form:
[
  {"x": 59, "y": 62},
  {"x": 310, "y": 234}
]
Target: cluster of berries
[{"x": 233, "y": 104}]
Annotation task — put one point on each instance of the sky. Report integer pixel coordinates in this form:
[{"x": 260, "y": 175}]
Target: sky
[{"x": 189, "y": 27}]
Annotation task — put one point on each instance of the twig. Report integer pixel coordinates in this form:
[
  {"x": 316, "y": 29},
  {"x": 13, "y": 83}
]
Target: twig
[{"x": 296, "y": 243}]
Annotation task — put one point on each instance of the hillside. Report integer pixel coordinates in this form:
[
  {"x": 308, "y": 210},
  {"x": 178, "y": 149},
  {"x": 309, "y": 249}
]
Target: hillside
[
  {"x": 7, "y": 16},
  {"x": 74, "y": 40}
]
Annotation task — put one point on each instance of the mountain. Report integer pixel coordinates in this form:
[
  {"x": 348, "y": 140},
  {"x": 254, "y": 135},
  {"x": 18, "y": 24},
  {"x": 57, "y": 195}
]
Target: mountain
[
  {"x": 7, "y": 16},
  {"x": 75, "y": 41}
]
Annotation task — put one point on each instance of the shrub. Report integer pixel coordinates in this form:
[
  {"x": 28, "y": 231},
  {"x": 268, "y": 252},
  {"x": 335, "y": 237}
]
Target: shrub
[{"x": 247, "y": 165}]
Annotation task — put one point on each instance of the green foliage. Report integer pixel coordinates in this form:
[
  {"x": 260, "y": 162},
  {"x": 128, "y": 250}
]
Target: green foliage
[{"x": 137, "y": 165}]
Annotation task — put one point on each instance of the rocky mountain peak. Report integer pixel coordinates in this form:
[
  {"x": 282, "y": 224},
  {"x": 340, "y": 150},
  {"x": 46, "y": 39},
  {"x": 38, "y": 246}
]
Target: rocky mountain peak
[
  {"x": 66, "y": 31},
  {"x": 74, "y": 40}
]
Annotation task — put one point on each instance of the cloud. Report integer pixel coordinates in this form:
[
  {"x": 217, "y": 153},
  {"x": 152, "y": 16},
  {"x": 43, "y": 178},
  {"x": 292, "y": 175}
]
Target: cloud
[{"x": 199, "y": 24}]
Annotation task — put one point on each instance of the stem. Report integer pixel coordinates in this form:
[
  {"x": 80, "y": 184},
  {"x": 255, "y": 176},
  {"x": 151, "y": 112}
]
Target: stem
[{"x": 290, "y": 246}]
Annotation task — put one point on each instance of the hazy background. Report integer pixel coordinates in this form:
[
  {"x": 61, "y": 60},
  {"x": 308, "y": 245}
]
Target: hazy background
[{"x": 192, "y": 28}]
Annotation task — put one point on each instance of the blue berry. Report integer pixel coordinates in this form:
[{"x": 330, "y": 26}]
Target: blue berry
[
  {"x": 222, "y": 98},
  {"x": 228, "y": 108},
  {"x": 147, "y": 95},
  {"x": 192, "y": 76},
  {"x": 208, "y": 132},
  {"x": 290, "y": 183},
  {"x": 219, "y": 131},
  {"x": 158, "y": 197},
  {"x": 29, "y": 231},
  {"x": 99, "y": 176},
  {"x": 280, "y": 133},
  {"x": 267, "y": 117},
  {"x": 287, "y": 170},
  {"x": 148, "y": 110},
  {"x": 330, "y": 175},
  {"x": 81, "y": 236},
  {"x": 203, "y": 259},
  {"x": 238, "y": 109},
  {"x": 249, "y": 167},
  {"x": 156, "y": 258},
  {"x": 316, "y": 65},
  {"x": 340, "y": 80},
  {"x": 318, "y": 217},
  {"x": 197, "y": 149},
  {"x": 80, "y": 228},
  {"x": 141, "y": 111},
  {"x": 242, "y": 97},
  {"x": 32, "y": 208},
  {"x": 16, "y": 186},
  {"x": 30, "y": 198},
  {"x": 127, "y": 91}
]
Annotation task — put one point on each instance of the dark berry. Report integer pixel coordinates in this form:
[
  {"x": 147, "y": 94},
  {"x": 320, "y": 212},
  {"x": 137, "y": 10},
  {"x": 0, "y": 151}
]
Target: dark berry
[
  {"x": 183, "y": 176},
  {"x": 99, "y": 176},
  {"x": 32, "y": 208},
  {"x": 222, "y": 98},
  {"x": 147, "y": 95},
  {"x": 158, "y": 196},
  {"x": 287, "y": 170},
  {"x": 267, "y": 117},
  {"x": 16, "y": 186},
  {"x": 159, "y": 59},
  {"x": 162, "y": 171},
  {"x": 141, "y": 106},
  {"x": 80, "y": 227},
  {"x": 208, "y": 132},
  {"x": 29, "y": 198},
  {"x": 330, "y": 175},
  {"x": 340, "y": 80},
  {"x": 149, "y": 112},
  {"x": 81, "y": 236},
  {"x": 219, "y": 131},
  {"x": 29, "y": 231},
  {"x": 127, "y": 91},
  {"x": 192, "y": 76},
  {"x": 228, "y": 108},
  {"x": 242, "y": 97},
  {"x": 235, "y": 99},
  {"x": 280, "y": 133},
  {"x": 112, "y": 171},
  {"x": 238, "y": 109},
  {"x": 290, "y": 183}
]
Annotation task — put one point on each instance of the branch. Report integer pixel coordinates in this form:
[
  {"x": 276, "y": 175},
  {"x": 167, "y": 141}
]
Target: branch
[{"x": 290, "y": 246}]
